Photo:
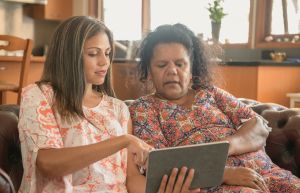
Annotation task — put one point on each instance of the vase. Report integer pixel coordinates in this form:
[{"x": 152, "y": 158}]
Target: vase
[{"x": 215, "y": 31}]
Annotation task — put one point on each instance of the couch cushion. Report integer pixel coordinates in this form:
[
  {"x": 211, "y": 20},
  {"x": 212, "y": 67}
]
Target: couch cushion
[
  {"x": 6, "y": 185},
  {"x": 10, "y": 154}
]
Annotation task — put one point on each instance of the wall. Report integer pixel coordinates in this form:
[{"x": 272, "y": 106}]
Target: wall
[{"x": 13, "y": 22}]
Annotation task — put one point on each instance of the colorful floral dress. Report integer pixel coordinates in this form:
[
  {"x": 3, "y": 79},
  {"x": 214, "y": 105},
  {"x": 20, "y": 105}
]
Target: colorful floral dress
[
  {"x": 41, "y": 127},
  {"x": 214, "y": 115}
]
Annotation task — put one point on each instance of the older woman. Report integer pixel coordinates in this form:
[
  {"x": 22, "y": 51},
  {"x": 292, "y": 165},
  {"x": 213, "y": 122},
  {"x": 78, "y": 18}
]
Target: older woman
[{"x": 187, "y": 109}]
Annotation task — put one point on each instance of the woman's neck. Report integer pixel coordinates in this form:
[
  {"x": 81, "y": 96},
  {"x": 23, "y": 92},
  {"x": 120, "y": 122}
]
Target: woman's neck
[{"x": 91, "y": 97}]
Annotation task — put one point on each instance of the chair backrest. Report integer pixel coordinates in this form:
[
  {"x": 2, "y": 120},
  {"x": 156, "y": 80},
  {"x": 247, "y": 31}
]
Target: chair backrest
[{"x": 16, "y": 44}]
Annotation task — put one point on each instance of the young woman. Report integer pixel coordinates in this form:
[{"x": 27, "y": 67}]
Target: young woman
[
  {"x": 74, "y": 134},
  {"x": 187, "y": 109}
]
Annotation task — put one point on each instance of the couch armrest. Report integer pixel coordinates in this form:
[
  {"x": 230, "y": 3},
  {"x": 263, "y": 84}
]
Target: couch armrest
[
  {"x": 10, "y": 153},
  {"x": 283, "y": 142}
]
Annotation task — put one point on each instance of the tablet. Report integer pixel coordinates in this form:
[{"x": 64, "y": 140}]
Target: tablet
[{"x": 208, "y": 160}]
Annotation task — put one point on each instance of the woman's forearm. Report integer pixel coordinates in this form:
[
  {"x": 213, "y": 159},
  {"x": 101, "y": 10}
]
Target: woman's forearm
[
  {"x": 136, "y": 184},
  {"x": 251, "y": 136},
  {"x": 135, "y": 181},
  {"x": 60, "y": 162}
]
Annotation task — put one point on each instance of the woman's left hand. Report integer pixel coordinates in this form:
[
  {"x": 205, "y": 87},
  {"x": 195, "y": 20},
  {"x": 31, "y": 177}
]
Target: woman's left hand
[
  {"x": 243, "y": 176},
  {"x": 250, "y": 137}
]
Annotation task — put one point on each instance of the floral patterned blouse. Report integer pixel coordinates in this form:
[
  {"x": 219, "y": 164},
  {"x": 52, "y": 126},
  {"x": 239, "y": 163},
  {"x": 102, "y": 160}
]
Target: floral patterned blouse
[
  {"x": 41, "y": 127},
  {"x": 214, "y": 115}
]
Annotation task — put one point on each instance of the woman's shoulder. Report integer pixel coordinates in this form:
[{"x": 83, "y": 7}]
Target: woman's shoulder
[
  {"x": 114, "y": 101},
  {"x": 210, "y": 89},
  {"x": 34, "y": 89},
  {"x": 145, "y": 101},
  {"x": 34, "y": 92},
  {"x": 148, "y": 99},
  {"x": 29, "y": 89}
]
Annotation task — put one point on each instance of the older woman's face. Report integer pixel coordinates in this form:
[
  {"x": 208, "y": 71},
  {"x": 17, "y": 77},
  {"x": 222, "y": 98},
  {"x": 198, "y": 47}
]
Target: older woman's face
[{"x": 170, "y": 70}]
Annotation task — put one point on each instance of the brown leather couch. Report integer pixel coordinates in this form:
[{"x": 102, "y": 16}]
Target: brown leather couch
[
  {"x": 283, "y": 143},
  {"x": 10, "y": 155}
]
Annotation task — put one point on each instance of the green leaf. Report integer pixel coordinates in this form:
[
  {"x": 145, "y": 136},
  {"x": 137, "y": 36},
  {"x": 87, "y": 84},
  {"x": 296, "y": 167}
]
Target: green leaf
[{"x": 216, "y": 12}]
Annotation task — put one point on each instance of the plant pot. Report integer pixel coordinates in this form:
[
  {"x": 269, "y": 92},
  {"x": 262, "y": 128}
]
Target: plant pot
[{"x": 215, "y": 31}]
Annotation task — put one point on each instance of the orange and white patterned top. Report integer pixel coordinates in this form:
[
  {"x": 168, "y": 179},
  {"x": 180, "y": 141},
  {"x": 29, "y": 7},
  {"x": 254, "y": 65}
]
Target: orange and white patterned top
[{"x": 41, "y": 127}]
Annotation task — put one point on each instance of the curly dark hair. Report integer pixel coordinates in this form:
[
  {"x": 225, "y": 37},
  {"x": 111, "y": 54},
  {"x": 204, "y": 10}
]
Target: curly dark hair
[{"x": 177, "y": 33}]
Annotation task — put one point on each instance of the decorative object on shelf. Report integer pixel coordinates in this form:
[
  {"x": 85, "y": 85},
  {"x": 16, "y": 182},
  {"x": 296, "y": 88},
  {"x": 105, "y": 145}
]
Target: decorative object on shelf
[
  {"x": 295, "y": 39},
  {"x": 279, "y": 39},
  {"x": 216, "y": 14},
  {"x": 284, "y": 39},
  {"x": 278, "y": 56},
  {"x": 269, "y": 38}
]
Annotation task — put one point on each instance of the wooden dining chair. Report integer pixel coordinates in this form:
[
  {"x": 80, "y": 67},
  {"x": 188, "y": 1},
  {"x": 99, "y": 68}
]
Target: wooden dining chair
[{"x": 12, "y": 43}]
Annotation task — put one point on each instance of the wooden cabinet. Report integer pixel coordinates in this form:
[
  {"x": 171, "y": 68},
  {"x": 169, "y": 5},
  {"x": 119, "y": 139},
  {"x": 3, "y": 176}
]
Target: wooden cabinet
[
  {"x": 10, "y": 71},
  {"x": 262, "y": 83},
  {"x": 53, "y": 10},
  {"x": 240, "y": 81}
]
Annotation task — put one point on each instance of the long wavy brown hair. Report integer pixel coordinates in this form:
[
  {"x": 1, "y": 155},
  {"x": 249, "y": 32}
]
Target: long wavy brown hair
[{"x": 64, "y": 68}]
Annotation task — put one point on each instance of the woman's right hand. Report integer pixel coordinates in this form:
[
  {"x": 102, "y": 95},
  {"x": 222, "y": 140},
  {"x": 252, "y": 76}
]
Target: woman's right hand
[
  {"x": 243, "y": 176},
  {"x": 139, "y": 149},
  {"x": 181, "y": 185}
]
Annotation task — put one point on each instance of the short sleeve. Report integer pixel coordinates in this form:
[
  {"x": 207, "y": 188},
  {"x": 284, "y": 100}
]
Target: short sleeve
[
  {"x": 145, "y": 123},
  {"x": 37, "y": 121},
  {"x": 237, "y": 111}
]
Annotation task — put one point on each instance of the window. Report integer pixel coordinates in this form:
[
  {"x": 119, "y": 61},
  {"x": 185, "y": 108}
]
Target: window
[
  {"x": 277, "y": 24},
  {"x": 124, "y": 18},
  {"x": 285, "y": 17},
  {"x": 194, "y": 14}
]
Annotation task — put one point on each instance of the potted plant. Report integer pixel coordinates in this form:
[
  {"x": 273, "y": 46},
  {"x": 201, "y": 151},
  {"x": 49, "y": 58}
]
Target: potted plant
[{"x": 216, "y": 13}]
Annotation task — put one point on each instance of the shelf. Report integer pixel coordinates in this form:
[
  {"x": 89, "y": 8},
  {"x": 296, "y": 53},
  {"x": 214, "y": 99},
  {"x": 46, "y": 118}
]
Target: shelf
[{"x": 278, "y": 45}]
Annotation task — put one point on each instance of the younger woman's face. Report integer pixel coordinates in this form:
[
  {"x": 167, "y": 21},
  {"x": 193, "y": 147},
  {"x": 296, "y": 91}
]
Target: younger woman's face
[
  {"x": 170, "y": 70},
  {"x": 96, "y": 58}
]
